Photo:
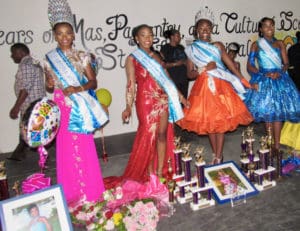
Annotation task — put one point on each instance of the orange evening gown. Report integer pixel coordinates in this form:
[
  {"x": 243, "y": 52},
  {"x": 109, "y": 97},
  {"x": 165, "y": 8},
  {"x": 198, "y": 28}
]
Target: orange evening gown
[
  {"x": 215, "y": 111},
  {"x": 151, "y": 102}
]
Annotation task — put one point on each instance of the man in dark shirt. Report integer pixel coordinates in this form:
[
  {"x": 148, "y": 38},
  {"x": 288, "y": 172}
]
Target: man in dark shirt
[{"x": 294, "y": 60}]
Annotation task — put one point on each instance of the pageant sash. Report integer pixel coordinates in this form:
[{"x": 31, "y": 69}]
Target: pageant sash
[
  {"x": 86, "y": 113},
  {"x": 160, "y": 76},
  {"x": 273, "y": 56},
  {"x": 202, "y": 53}
]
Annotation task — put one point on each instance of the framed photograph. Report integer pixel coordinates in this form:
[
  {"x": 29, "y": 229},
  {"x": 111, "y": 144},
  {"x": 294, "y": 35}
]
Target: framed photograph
[
  {"x": 44, "y": 209},
  {"x": 227, "y": 180}
]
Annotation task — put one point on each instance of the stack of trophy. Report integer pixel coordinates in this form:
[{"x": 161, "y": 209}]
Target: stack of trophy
[
  {"x": 260, "y": 168},
  {"x": 185, "y": 187}
]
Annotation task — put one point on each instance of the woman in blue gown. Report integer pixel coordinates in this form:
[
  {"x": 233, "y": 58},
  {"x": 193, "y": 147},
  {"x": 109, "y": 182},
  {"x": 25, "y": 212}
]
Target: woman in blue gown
[{"x": 276, "y": 99}]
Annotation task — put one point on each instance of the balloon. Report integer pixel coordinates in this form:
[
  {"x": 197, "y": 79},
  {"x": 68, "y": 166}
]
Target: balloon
[
  {"x": 104, "y": 96},
  {"x": 40, "y": 122}
]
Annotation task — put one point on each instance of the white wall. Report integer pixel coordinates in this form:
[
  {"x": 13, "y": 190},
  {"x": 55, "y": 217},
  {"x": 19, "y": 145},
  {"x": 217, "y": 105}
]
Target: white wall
[{"x": 27, "y": 22}]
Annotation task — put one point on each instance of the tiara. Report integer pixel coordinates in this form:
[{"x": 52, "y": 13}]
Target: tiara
[
  {"x": 205, "y": 13},
  {"x": 59, "y": 11}
]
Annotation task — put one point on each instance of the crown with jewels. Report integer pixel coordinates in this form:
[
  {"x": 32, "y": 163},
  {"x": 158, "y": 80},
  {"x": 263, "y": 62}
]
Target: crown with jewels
[
  {"x": 205, "y": 13},
  {"x": 59, "y": 11}
]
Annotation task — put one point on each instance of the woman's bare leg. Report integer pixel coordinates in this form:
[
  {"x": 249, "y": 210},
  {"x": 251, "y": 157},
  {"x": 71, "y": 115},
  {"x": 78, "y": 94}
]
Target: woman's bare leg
[
  {"x": 162, "y": 142},
  {"x": 277, "y": 126}
]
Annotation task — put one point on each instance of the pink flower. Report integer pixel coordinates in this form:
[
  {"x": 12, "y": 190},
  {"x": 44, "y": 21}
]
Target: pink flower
[{"x": 81, "y": 216}]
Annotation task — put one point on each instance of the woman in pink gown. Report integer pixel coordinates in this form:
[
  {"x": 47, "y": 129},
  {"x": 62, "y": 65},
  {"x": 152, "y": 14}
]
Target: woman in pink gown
[
  {"x": 70, "y": 75},
  {"x": 153, "y": 145}
]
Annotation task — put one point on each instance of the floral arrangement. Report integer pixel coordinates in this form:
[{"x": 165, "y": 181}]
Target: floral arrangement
[{"x": 109, "y": 214}]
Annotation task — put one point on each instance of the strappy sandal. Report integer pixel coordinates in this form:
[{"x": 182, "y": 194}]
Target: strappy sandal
[
  {"x": 160, "y": 177},
  {"x": 216, "y": 160}
]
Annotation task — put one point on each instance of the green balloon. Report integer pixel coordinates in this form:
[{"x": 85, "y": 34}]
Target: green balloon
[{"x": 104, "y": 96}]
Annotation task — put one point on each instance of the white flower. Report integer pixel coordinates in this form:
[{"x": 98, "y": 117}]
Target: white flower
[
  {"x": 91, "y": 226},
  {"x": 119, "y": 193},
  {"x": 109, "y": 225}
]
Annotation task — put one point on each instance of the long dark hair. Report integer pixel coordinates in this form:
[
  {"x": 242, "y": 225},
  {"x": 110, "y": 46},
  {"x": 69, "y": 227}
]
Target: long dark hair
[{"x": 260, "y": 24}]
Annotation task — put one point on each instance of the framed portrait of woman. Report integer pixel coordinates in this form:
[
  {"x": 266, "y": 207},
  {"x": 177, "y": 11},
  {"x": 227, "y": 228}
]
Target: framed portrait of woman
[{"x": 44, "y": 209}]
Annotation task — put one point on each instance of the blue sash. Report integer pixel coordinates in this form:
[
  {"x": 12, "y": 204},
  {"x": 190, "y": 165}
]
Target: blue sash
[
  {"x": 202, "y": 53},
  {"x": 273, "y": 56},
  {"x": 160, "y": 76},
  {"x": 86, "y": 113}
]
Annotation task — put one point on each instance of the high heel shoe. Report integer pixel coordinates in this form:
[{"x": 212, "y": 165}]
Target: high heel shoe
[
  {"x": 160, "y": 176},
  {"x": 216, "y": 160}
]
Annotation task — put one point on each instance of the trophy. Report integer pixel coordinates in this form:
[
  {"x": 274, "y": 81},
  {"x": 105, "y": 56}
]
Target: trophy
[
  {"x": 243, "y": 144},
  {"x": 263, "y": 152},
  {"x": 200, "y": 163},
  {"x": 4, "y": 192},
  {"x": 270, "y": 145},
  {"x": 178, "y": 155},
  {"x": 248, "y": 159},
  {"x": 198, "y": 191},
  {"x": 187, "y": 162},
  {"x": 185, "y": 184},
  {"x": 265, "y": 172},
  {"x": 16, "y": 188},
  {"x": 274, "y": 152},
  {"x": 171, "y": 183},
  {"x": 244, "y": 155}
]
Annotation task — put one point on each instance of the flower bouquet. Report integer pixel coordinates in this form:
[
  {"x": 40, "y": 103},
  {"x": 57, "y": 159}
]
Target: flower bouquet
[{"x": 139, "y": 214}]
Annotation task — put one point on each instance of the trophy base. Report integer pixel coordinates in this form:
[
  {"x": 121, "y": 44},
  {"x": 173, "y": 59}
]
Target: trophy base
[
  {"x": 202, "y": 204},
  {"x": 247, "y": 161},
  {"x": 178, "y": 177},
  {"x": 188, "y": 197},
  {"x": 265, "y": 185}
]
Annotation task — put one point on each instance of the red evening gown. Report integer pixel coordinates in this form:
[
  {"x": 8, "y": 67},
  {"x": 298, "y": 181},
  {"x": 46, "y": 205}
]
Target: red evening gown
[{"x": 151, "y": 102}]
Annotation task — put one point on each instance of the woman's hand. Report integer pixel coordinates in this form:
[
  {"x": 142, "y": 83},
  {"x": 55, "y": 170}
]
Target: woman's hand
[
  {"x": 185, "y": 102},
  {"x": 126, "y": 114},
  {"x": 273, "y": 75},
  {"x": 246, "y": 83},
  {"x": 254, "y": 86},
  {"x": 211, "y": 65},
  {"x": 71, "y": 89},
  {"x": 49, "y": 81}
]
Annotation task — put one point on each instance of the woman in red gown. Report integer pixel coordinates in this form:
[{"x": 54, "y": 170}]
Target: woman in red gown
[{"x": 153, "y": 144}]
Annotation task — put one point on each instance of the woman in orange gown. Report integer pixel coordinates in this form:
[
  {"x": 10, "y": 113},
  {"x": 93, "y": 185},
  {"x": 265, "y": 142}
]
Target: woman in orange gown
[{"x": 215, "y": 106}]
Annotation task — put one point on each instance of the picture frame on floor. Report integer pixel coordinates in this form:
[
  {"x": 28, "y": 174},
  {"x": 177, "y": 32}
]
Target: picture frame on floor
[
  {"x": 228, "y": 181},
  {"x": 40, "y": 210}
]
